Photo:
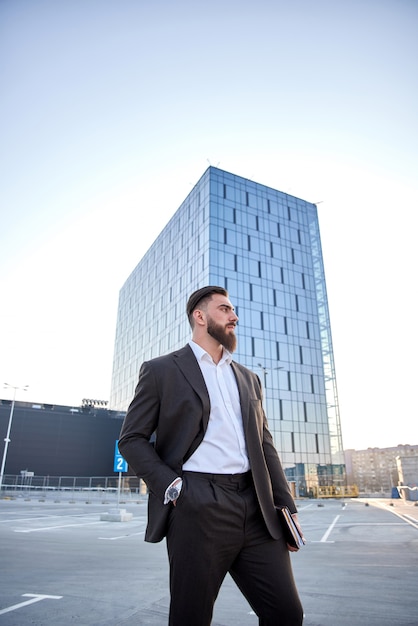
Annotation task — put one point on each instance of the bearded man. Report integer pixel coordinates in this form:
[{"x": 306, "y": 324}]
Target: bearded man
[{"x": 213, "y": 474}]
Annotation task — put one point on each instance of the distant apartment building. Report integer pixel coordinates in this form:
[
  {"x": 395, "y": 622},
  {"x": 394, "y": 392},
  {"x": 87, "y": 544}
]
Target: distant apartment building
[
  {"x": 376, "y": 470},
  {"x": 264, "y": 247}
]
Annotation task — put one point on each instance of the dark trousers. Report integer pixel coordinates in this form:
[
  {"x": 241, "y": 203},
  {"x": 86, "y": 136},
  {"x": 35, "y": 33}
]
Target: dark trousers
[{"x": 217, "y": 527}]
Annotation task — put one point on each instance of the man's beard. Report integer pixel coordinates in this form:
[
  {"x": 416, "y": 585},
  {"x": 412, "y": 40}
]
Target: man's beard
[{"x": 227, "y": 340}]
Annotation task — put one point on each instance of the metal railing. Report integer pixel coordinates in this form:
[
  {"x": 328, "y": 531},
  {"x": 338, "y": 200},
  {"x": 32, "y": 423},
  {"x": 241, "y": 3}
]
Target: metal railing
[{"x": 96, "y": 488}]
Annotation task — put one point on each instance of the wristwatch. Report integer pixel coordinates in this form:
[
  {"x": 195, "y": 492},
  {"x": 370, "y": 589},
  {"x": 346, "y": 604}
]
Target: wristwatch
[
  {"x": 173, "y": 490},
  {"x": 173, "y": 493}
]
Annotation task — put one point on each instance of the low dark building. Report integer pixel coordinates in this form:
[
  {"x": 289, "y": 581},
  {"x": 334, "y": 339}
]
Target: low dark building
[{"x": 52, "y": 440}]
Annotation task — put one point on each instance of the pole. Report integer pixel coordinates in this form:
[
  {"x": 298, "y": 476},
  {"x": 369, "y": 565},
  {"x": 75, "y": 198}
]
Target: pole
[
  {"x": 9, "y": 427},
  {"x": 119, "y": 483}
]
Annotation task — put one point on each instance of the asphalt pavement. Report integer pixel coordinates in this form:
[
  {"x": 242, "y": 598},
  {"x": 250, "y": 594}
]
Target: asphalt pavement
[{"x": 61, "y": 565}]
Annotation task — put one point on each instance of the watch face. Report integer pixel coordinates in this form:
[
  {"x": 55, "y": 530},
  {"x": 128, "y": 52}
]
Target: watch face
[{"x": 173, "y": 493}]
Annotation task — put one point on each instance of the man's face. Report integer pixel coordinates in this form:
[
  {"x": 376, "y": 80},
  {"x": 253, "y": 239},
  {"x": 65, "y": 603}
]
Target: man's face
[{"x": 221, "y": 320}]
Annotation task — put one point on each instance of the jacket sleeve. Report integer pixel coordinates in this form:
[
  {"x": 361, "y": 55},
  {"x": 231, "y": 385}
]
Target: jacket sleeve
[{"x": 140, "y": 423}]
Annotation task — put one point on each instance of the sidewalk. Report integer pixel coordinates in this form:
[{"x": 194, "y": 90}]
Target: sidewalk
[{"x": 407, "y": 509}]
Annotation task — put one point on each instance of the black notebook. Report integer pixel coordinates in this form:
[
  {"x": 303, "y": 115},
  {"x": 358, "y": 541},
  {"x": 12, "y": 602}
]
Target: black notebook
[{"x": 291, "y": 532}]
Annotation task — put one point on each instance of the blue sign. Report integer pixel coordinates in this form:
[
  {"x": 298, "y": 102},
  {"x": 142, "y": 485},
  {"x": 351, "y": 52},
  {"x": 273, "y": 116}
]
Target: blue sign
[{"x": 119, "y": 465}]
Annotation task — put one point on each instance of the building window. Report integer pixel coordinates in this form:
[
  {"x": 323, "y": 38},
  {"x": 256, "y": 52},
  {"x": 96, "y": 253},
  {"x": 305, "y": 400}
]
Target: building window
[
  {"x": 292, "y": 437},
  {"x": 305, "y": 412}
]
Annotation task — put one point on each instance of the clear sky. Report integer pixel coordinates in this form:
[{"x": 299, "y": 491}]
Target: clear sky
[{"x": 111, "y": 111}]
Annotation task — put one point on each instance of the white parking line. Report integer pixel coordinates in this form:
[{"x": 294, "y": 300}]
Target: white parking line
[
  {"x": 122, "y": 536},
  {"x": 17, "y": 520},
  {"x": 27, "y": 519},
  {"x": 328, "y": 532},
  {"x": 36, "y": 597},
  {"x": 411, "y": 520},
  {"x": 349, "y": 524},
  {"x": 35, "y": 530}
]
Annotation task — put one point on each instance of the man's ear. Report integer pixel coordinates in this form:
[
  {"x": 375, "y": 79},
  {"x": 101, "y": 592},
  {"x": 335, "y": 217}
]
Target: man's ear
[{"x": 198, "y": 317}]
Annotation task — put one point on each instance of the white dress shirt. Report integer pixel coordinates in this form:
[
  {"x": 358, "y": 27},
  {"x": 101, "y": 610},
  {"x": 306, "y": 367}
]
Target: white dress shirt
[{"x": 223, "y": 449}]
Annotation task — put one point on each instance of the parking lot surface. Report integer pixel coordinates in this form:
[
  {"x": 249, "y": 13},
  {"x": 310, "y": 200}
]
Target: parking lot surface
[{"x": 61, "y": 565}]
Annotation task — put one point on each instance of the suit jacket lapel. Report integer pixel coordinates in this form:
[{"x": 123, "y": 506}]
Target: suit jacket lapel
[
  {"x": 243, "y": 393},
  {"x": 186, "y": 361}
]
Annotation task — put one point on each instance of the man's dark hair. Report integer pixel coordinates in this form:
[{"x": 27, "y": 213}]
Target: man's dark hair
[{"x": 200, "y": 296}]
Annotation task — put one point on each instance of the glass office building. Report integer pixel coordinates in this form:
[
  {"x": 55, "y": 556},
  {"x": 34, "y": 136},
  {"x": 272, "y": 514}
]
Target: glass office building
[{"x": 264, "y": 247}]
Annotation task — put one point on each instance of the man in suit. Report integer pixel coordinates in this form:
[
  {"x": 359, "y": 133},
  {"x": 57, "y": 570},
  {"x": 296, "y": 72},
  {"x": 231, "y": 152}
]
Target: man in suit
[{"x": 213, "y": 474}]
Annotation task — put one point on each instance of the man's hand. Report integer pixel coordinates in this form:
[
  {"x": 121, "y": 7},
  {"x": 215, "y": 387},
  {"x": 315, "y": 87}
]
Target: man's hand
[{"x": 296, "y": 520}]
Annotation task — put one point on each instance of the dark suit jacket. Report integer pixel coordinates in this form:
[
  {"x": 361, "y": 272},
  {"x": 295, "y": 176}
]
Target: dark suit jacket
[{"x": 172, "y": 400}]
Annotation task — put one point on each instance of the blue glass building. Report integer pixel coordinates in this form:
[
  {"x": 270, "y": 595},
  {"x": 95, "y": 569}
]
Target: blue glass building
[{"x": 264, "y": 247}]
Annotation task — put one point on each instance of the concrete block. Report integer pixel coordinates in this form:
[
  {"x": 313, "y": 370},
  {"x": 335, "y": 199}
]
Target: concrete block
[{"x": 116, "y": 515}]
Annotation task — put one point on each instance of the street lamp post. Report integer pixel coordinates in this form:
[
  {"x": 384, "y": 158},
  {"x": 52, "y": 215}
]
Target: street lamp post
[
  {"x": 9, "y": 427},
  {"x": 265, "y": 372}
]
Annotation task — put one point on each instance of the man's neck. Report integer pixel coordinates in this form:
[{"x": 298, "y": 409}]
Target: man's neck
[{"x": 211, "y": 346}]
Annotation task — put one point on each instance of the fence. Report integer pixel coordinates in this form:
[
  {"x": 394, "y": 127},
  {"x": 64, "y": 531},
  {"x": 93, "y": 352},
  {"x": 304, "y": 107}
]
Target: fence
[{"x": 91, "y": 487}]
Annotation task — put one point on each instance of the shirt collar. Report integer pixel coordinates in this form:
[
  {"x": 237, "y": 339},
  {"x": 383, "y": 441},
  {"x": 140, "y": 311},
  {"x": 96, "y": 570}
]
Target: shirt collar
[{"x": 200, "y": 353}]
